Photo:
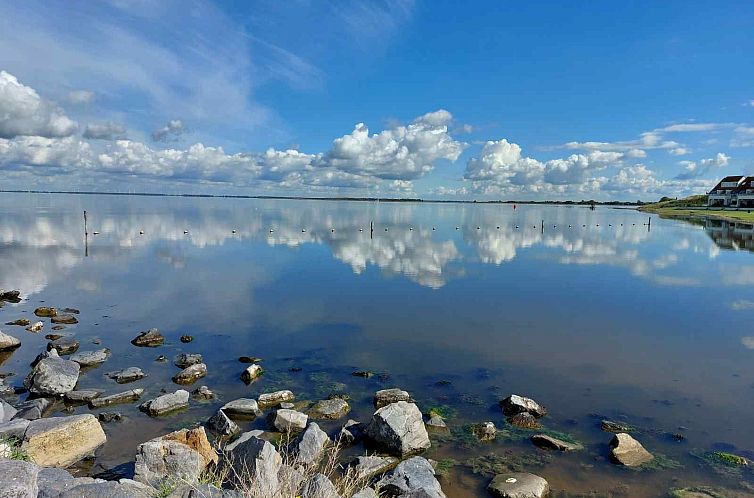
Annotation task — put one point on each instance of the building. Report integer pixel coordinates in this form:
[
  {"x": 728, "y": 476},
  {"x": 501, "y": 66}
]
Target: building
[{"x": 726, "y": 192}]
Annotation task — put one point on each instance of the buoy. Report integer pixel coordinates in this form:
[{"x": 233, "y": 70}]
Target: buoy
[
  {"x": 271, "y": 230},
  {"x": 185, "y": 232},
  {"x": 361, "y": 229},
  {"x": 478, "y": 228},
  {"x": 332, "y": 230},
  {"x": 303, "y": 230},
  {"x": 141, "y": 232},
  {"x": 411, "y": 228},
  {"x": 233, "y": 231},
  {"x": 457, "y": 228},
  {"x": 95, "y": 233}
]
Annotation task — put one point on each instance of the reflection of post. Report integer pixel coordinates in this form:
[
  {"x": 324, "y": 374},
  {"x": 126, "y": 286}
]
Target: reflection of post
[
  {"x": 649, "y": 224},
  {"x": 543, "y": 226},
  {"x": 371, "y": 229},
  {"x": 86, "y": 238}
]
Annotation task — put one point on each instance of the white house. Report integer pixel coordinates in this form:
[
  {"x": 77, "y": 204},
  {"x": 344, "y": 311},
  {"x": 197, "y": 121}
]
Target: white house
[{"x": 726, "y": 193}]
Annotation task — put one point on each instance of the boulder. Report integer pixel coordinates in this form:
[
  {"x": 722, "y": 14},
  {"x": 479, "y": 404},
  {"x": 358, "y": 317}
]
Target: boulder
[
  {"x": 437, "y": 424},
  {"x": 258, "y": 463},
  {"x": 251, "y": 373},
  {"x": 486, "y": 431},
  {"x": 398, "y": 428},
  {"x": 91, "y": 358},
  {"x": 64, "y": 345},
  {"x": 191, "y": 374},
  {"x": 310, "y": 444},
  {"x": 627, "y": 451},
  {"x": 46, "y": 312},
  {"x": 329, "y": 409},
  {"x": 412, "y": 477},
  {"x": 202, "y": 393},
  {"x": 369, "y": 466},
  {"x": 33, "y": 409},
  {"x": 36, "y": 327},
  {"x": 245, "y": 407},
  {"x": 116, "y": 399},
  {"x": 149, "y": 338},
  {"x": 8, "y": 342},
  {"x": 220, "y": 424},
  {"x": 515, "y": 404},
  {"x": 82, "y": 396},
  {"x": 7, "y": 412},
  {"x": 181, "y": 455},
  {"x": 53, "y": 376},
  {"x": 351, "y": 432},
  {"x": 12, "y": 296},
  {"x": 268, "y": 400},
  {"x": 319, "y": 486},
  {"x": 130, "y": 374},
  {"x": 388, "y": 396},
  {"x": 66, "y": 319},
  {"x": 519, "y": 485},
  {"x": 166, "y": 403},
  {"x": 185, "y": 360},
  {"x": 15, "y": 428},
  {"x": 18, "y": 479},
  {"x": 552, "y": 443},
  {"x": 366, "y": 493},
  {"x": 289, "y": 420},
  {"x": 5, "y": 389},
  {"x": 109, "y": 489},
  {"x": 53, "y": 353},
  {"x": 525, "y": 420},
  {"x": 229, "y": 448},
  {"x": 62, "y": 441}
]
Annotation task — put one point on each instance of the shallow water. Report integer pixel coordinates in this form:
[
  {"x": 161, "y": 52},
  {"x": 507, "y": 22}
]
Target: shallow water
[{"x": 592, "y": 313}]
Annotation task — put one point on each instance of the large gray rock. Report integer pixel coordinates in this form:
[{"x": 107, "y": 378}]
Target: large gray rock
[
  {"x": 166, "y": 403},
  {"x": 33, "y": 409},
  {"x": 179, "y": 456},
  {"x": 310, "y": 444},
  {"x": 53, "y": 482},
  {"x": 203, "y": 491},
  {"x": 64, "y": 345},
  {"x": 515, "y": 404},
  {"x": 222, "y": 425},
  {"x": 329, "y": 409},
  {"x": 190, "y": 374},
  {"x": 519, "y": 485},
  {"x": 366, "y": 493},
  {"x": 267, "y": 400},
  {"x": 116, "y": 399},
  {"x": 398, "y": 429},
  {"x": 244, "y": 407},
  {"x": 130, "y": 374},
  {"x": 66, "y": 319},
  {"x": 18, "y": 479},
  {"x": 351, "y": 432},
  {"x": 15, "y": 428},
  {"x": 62, "y": 441},
  {"x": 368, "y": 466},
  {"x": 7, "y": 412},
  {"x": 412, "y": 477},
  {"x": 628, "y": 451},
  {"x": 108, "y": 489},
  {"x": 149, "y": 338},
  {"x": 229, "y": 448},
  {"x": 82, "y": 396},
  {"x": 8, "y": 342},
  {"x": 319, "y": 486},
  {"x": 260, "y": 464},
  {"x": 289, "y": 420},
  {"x": 388, "y": 396},
  {"x": 53, "y": 376},
  {"x": 91, "y": 358}
]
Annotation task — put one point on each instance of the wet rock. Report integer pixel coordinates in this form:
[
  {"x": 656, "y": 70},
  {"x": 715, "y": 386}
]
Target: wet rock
[
  {"x": 116, "y": 399},
  {"x": 149, "y": 338},
  {"x": 202, "y": 393},
  {"x": 108, "y": 417},
  {"x": 15, "y": 428},
  {"x": 33, "y": 409},
  {"x": 437, "y": 424},
  {"x": 367, "y": 467},
  {"x": 71, "y": 310},
  {"x": 249, "y": 359},
  {"x": 66, "y": 319},
  {"x": 35, "y": 327},
  {"x": 388, "y": 396},
  {"x": 289, "y": 420},
  {"x": 525, "y": 421},
  {"x": 310, "y": 444},
  {"x": 267, "y": 400},
  {"x": 552, "y": 443},
  {"x": 515, "y": 404},
  {"x": 5, "y": 389},
  {"x": 319, "y": 486},
  {"x": 179, "y": 456},
  {"x": 191, "y": 374},
  {"x": 251, "y": 373},
  {"x": 12, "y": 296},
  {"x": 222, "y": 425},
  {"x": 628, "y": 451},
  {"x": 412, "y": 477},
  {"x": 351, "y": 432},
  {"x": 62, "y": 441},
  {"x": 130, "y": 374},
  {"x": 53, "y": 337},
  {"x": 186, "y": 339},
  {"x": 8, "y": 342},
  {"x": 44, "y": 354},
  {"x": 64, "y": 345},
  {"x": 91, "y": 358},
  {"x": 398, "y": 428},
  {"x": 166, "y": 403},
  {"x": 46, "y": 312},
  {"x": 259, "y": 460},
  {"x": 519, "y": 485},
  {"x": 363, "y": 373},
  {"x": 53, "y": 376},
  {"x": 329, "y": 409},
  {"x": 245, "y": 407},
  {"x": 615, "y": 427},
  {"x": 185, "y": 360},
  {"x": 18, "y": 479},
  {"x": 21, "y": 322},
  {"x": 7, "y": 412},
  {"x": 58, "y": 327},
  {"x": 161, "y": 359}
]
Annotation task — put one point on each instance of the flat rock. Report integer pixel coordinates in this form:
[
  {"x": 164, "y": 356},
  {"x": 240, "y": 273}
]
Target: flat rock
[
  {"x": 21, "y": 322},
  {"x": 519, "y": 485},
  {"x": 166, "y": 403},
  {"x": 53, "y": 376},
  {"x": 615, "y": 427},
  {"x": 66, "y": 319},
  {"x": 552, "y": 443},
  {"x": 437, "y": 424},
  {"x": 185, "y": 360},
  {"x": 62, "y": 441},
  {"x": 179, "y": 456},
  {"x": 33, "y": 409},
  {"x": 515, "y": 404},
  {"x": 627, "y": 451},
  {"x": 108, "y": 417},
  {"x": 18, "y": 479},
  {"x": 7, "y": 412},
  {"x": 149, "y": 338},
  {"x": 310, "y": 444},
  {"x": 130, "y": 374},
  {"x": 14, "y": 428},
  {"x": 268, "y": 400},
  {"x": 46, "y": 312},
  {"x": 8, "y": 342},
  {"x": 221, "y": 424},
  {"x": 398, "y": 428},
  {"x": 91, "y": 358},
  {"x": 257, "y": 459},
  {"x": 385, "y": 397},
  {"x": 329, "y": 409},
  {"x": 245, "y": 407},
  {"x": 251, "y": 373},
  {"x": 319, "y": 486},
  {"x": 116, "y": 399},
  {"x": 109, "y": 489},
  {"x": 368, "y": 466},
  {"x": 82, "y": 396},
  {"x": 412, "y": 477},
  {"x": 286, "y": 420},
  {"x": 64, "y": 345},
  {"x": 190, "y": 374}
]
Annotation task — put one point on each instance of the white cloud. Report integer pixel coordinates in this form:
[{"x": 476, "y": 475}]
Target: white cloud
[
  {"x": 694, "y": 169},
  {"x": 679, "y": 151},
  {"x": 173, "y": 129},
  {"x": 81, "y": 97},
  {"x": 693, "y": 127},
  {"x": 104, "y": 131},
  {"x": 24, "y": 112},
  {"x": 743, "y": 136}
]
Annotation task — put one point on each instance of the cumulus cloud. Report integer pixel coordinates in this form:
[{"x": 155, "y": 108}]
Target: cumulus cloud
[
  {"x": 104, "y": 131},
  {"x": 80, "y": 97},
  {"x": 173, "y": 129},
  {"x": 24, "y": 112},
  {"x": 679, "y": 151},
  {"x": 695, "y": 169},
  {"x": 693, "y": 127},
  {"x": 743, "y": 137}
]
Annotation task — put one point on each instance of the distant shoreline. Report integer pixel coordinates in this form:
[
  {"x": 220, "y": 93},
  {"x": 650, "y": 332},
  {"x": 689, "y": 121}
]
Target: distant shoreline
[{"x": 354, "y": 199}]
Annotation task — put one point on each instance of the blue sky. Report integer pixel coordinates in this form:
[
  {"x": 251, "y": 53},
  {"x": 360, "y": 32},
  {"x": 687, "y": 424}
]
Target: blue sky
[{"x": 485, "y": 100}]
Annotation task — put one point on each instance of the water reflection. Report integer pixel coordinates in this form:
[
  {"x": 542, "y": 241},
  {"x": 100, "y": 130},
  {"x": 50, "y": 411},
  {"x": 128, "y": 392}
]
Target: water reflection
[{"x": 730, "y": 235}]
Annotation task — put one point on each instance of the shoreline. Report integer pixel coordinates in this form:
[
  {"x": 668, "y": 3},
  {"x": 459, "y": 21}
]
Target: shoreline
[{"x": 698, "y": 213}]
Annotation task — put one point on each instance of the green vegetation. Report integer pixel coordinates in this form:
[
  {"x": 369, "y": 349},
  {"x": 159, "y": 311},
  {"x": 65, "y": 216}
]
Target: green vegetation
[
  {"x": 728, "y": 458},
  {"x": 694, "y": 206},
  {"x": 444, "y": 467},
  {"x": 16, "y": 452}
]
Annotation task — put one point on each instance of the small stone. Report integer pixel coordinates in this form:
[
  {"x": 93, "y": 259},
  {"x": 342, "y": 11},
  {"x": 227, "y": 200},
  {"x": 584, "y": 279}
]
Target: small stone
[
  {"x": 185, "y": 360},
  {"x": 437, "y": 424},
  {"x": 288, "y": 406},
  {"x": 351, "y": 432},
  {"x": 202, "y": 393},
  {"x": 116, "y": 399},
  {"x": 525, "y": 421},
  {"x": 329, "y": 409},
  {"x": 21, "y": 322},
  {"x": 64, "y": 345},
  {"x": 249, "y": 359},
  {"x": 385, "y": 397},
  {"x": 310, "y": 444},
  {"x": 53, "y": 337},
  {"x": 46, "y": 312},
  {"x": 519, "y": 485},
  {"x": 66, "y": 319},
  {"x": 289, "y": 421},
  {"x": 615, "y": 427},
  {"x": 486, "y": 431},
  {"x": 319, "y": 486},
  {"x": 245, "y": 407},
  {"x": 82, "y": 396},
  {"x": 412, "y": 477},
  {"x": 91, "y": 358},
  {"x": 370, "y": 466},
  {"x": 8, "y": 342},
  {"x": 149, "y": 338},
  {"x": 398, "y": 428},
  {"x": 108, "y": 417},
  {"x": 58, "y": 327},
  {"x": 251, "y": 373},
  {"x": 186, "y": 339},
  {"x": 62, "y": 441},
  {"x": 71, "y": 310},
  {"x": 161, "y": 359},
  {"x": 628, "y": 451},
  {"x": 35, "y": 327},
  {"x": 267, "y": 400},
  {"x": 191, "y": 374},
  {"x": 515, "y": 404},
  {"x": 363, "y": 373},
  {"x": 552, "y": 443},
  {"x": 130, "y": 374},
  {"x": 12, "y": 296},
  {"x": 167, "y": 403}
]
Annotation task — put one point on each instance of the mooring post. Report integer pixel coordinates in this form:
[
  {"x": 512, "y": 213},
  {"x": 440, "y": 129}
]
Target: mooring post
[
  {"x": 543, "y": 226},
  {"x": 371, "y": 229},
  {"x": 86, "y": 238},
  {"x": 85, "y": 230}
]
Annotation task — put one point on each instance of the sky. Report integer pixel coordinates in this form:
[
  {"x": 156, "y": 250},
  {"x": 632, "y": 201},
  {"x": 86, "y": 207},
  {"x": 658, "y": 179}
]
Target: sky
[{"x": 396, "y": 98}]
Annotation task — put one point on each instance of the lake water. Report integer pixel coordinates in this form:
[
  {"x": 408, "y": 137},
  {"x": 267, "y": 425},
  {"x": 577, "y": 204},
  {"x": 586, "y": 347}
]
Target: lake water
[{"x": 592, "y": 313}]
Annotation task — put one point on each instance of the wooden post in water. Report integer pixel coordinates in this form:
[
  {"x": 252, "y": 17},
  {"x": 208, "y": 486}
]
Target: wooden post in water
[
  {"x": 371, "y": 229},
  {"x": 86, "y": 237},
  {"x": 543, "y": 226}
]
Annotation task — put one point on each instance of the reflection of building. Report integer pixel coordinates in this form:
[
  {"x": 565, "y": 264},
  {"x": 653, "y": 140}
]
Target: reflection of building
[
  {"x": 725, "y": 193},
  {"x": 730, "y": 235}
]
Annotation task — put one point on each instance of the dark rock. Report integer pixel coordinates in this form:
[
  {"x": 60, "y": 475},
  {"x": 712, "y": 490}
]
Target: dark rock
[
  {"x": 21, "y": 322},
  {"x": 191, "y": 374},
  {"x": 202, "y": 393},
  {"x": 66, "y": 319},
  {"x": 222, "y": 425},
  {"x": 149, "y": 338},
  {"x": 525, "y": 421},
  {"x": 12, "y": 296},
  {"x": 351, "y": 433},
  {"x": 108, "y": 417},
  {"x": 552, "y": 443},
  {"x": 486, "y": 431},
  {"x": 186, "y": 339},
  {"x": 251, "y": 373},
  {"x": 515, "y": 404},
  {"x": 53, "y": 337},
  {"x": 249, "y": 359},
  {"x": 64, "y": 345},
  {"x": 46, "y": 312},
  {"x": 615, "y": 427},
  {"x": 71, "y": 310},
  {"x": 116, "y": 399},
  {"x": 363, "y": 373},
  {"x": 58, "y": 327},
  {"x": 185, "y": 360}
]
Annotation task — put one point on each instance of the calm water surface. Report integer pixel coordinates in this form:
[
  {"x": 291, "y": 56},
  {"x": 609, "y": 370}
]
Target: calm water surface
[{"x": 595, "y": 316}]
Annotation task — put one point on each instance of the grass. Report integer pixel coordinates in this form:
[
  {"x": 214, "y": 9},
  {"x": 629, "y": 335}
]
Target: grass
[
  {"x": 694, "y": 207},
  {"x": 16, "y": 452}
]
